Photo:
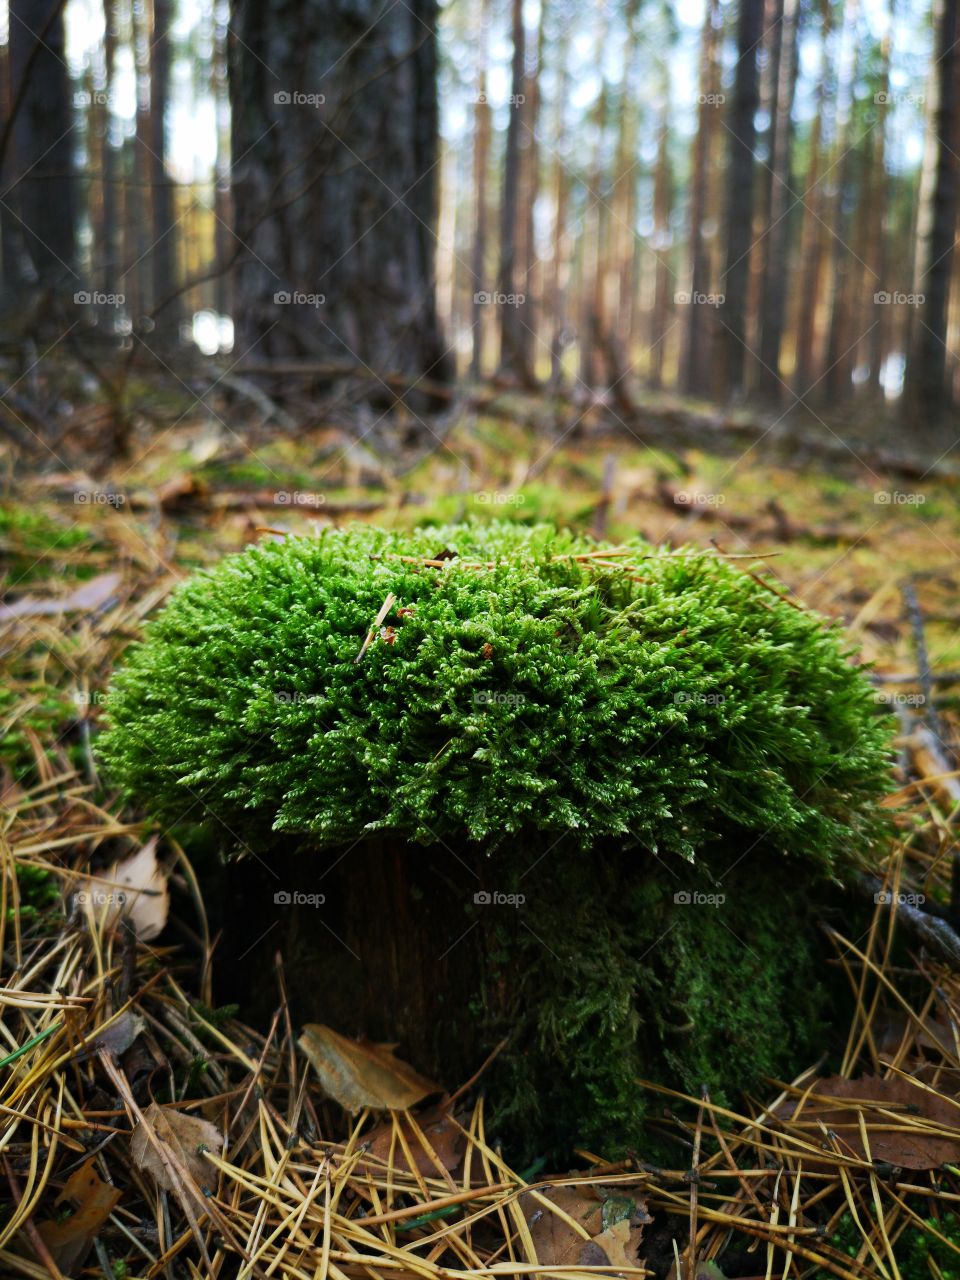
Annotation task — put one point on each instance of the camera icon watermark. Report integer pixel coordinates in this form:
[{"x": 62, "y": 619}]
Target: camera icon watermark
[
  {"x": 294, "y": 98},
  {"x": 894, "y": 498},
  {"x": 94, "y": 298},
  {"x": 296, "y": 498},
  {"x": 694, "y": 898},
  {"x": 288, "y": 898},
  {"x": 493, "y": 298},
  {"x": 886, "y": 898},
  {"x": 296, "y": 298},
  {"x": 494, "y": 898},
  {"x": 98, "y": 498}
]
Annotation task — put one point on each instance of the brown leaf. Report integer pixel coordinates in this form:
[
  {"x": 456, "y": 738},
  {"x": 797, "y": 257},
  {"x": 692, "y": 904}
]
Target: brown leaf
[
  {"x": 186, "y": 1137},
  {"x": 445, "y": 1137},
  {"x": 359, "y": 1073},
  {"x": 559, "y": 1244},
  {"x": 135, "y": 890},
  {"x": 907, "y": 1146},
  {"x": 86, "y": 598},
  {"x": 69, "y": 1241}
]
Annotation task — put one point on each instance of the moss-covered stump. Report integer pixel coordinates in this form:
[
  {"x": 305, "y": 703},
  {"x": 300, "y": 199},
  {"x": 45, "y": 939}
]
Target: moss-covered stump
[{"x": 581, "y": 795}]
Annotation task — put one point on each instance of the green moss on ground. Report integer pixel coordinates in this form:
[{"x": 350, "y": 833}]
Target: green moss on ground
[{"x": 667, "y": 761}]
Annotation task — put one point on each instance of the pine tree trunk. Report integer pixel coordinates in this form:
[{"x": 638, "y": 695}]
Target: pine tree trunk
[
  {"x": 335, "y": 145},
  {"x": 926, "y": 392},
  {"x": 774, "y": 279},
  {"x": 739, "y": 203},
  {"x": 511, "y": 312},
  {"x": 44, "y": 197},
  {"x": 694, "y": 362},
  {"x": 165, "y": 234}
]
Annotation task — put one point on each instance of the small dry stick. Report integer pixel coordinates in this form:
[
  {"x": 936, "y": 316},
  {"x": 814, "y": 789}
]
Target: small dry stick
[
  {"x": 385, "y": 608},
  {"x": 694, "y": 1185}
]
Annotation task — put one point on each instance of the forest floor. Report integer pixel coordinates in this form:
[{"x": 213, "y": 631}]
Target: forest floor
[{"x": 91, "y": 1017}]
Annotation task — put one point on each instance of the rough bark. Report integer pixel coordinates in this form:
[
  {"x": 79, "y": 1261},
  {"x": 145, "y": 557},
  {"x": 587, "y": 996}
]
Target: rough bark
[
  {"x": 739, "y": 202},
  {"x": 926, "y": 367},
  {"x": 164, "y": 231},
  {"x": 514, "y": 328},
  {"x": 335, "y": 146},
  {"x": 39, "y": 175},
  {"x": 774, "y": 279},
  {"x": 694, "y": 365}
]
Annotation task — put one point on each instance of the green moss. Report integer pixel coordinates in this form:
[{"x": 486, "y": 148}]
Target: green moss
[
  {"x": 662, "y": 759},
  {"x": 915, "y": 1250},
  {"x": 667, "y": 706}
]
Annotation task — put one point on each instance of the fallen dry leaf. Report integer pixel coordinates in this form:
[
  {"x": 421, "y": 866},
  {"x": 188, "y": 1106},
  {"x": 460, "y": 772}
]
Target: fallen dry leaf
[
  {"x": 86, "y": 598},
  {"x": 359, "y": 1073},
  {"x": 605, "y": 1244},
  {"x": 187, "y": 1138},
  {"x": 446, "y": 1138},
  {"x": 906, "y": 1145},
  {"x": 94, "y": 1200},
  {"x": 134, "y": 890}
]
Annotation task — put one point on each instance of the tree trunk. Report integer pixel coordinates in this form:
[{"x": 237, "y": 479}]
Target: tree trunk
[
  {"x": 44, "y": 197},
  {"x": 694, "y": 364},
  {"x": 514, "y": 330},
  {"x": 662, "y": 207},
  {"x": 926, "y": 384},
  {"x": 335, "y": 142},
  {"x": 773, "y": 287},
  {"x": 811, "y": 241},
  {"x": 163, "y": 227},
  {"x": 739, "y": 204},
  {"x": 481, "y": 169}
]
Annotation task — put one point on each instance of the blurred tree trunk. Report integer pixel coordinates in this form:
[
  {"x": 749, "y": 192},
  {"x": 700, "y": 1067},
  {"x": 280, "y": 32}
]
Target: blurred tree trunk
[
  {"x": 222, "y": 206},
  {"x": 481, "y": 172},
  {"x": 560, "y": 265},
  {"x": 739, "y": 202},
  {"x": 43, "y": 143},
  {"x": 836, "y": 382},
  {"x": 811, "y": 241},
  {"x": 926, "y": 393},
  {"x": 877, "y": 231},
  {"x": 694, "y": 361},
  {"x": 163, "y": 225},
  {"x": 662, "y": 208},
  {"x": 514, "y": 330},
  {"x": 775, "y": 244},
  {"x": 107, "y": 248},
  {"x": 335, "y": 144}
]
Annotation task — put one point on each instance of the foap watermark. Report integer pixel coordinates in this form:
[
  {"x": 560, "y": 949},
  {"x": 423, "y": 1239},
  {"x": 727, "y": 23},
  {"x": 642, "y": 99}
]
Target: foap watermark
[
  {"x": 493, "y": 298},
  {"x": 688, "y": 499},
  {"x": 697, "y": 299},
  {"x": 887, "y": 898},
  {"x": 295, "y": 898},
  {"x": 89, "y": 698},
  {"x": 895, "y": 498},
  {"x": 896, "y": 699},
  {"x": 296, "y": 298},
  {"x": 294, "y": 98},
  {"x": 495, "y": 698},
  {"x": 101, "y": 898},
  {"x": 98, "y": 498},
  {"x": 96, "y": 98},
  {"x": 494, "y": 898},
  {"x": 899, "y": 99},
  {"x": 683, "y": 699},
  {"x": 496, "y": 498},
  {"x": 694, "y": 898},
  {"x": 711, "y": 99},
  {"x": 94, "y": 298},
  {"x": 287, "y": 698},
  {"x": 882, "y": 298},
  {"x": 297, "y": 498}
]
